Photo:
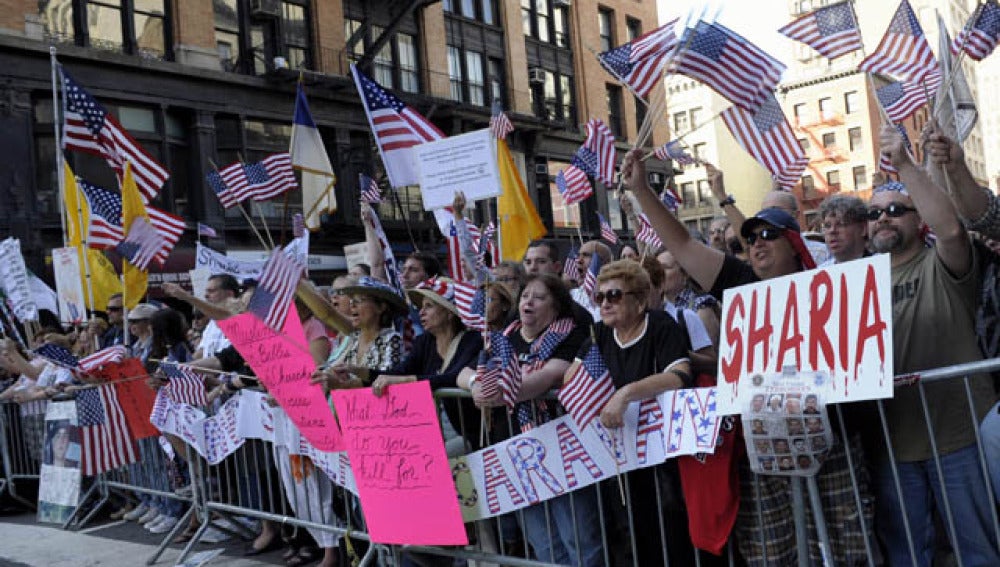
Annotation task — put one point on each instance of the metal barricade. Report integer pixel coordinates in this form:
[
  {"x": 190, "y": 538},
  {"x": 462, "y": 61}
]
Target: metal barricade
[{"x": 21, "y": 439}]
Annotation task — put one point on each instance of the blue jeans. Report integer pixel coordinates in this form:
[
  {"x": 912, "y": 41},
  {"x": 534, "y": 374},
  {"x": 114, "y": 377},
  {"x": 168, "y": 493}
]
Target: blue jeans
[
  {"x": 990, "y": 431},
  {"x": 555, "y": 541},
  {"x": 922, "y": 494}
]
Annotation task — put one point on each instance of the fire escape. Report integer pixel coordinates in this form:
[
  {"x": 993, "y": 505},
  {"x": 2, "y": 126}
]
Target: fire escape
[{"x": 819, "y": 156}]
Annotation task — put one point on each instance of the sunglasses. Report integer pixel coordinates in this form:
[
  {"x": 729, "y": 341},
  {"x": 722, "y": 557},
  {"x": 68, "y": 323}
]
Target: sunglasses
[
  {"x": 114, "y": 309},
  {"x": 614, "y": 296},
  {"x": 892, "y": 210},
  {"x": 765, "y": 234}
]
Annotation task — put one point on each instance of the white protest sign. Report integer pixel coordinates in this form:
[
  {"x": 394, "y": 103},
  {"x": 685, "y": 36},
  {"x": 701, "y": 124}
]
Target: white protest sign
[
  {"x": 218, "y": 263},
  {"x": 835, "y": 322},
  {"x": 356, "y": 254},
  {"x": 69, "y": 289},
  {"x": 14, "y": 279},
  {"x": 199, "y": 280},
  {"x": 466, "y": 163}
]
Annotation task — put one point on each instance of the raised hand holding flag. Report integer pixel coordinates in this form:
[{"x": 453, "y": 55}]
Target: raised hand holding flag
[{"x": 275, "y": 290}]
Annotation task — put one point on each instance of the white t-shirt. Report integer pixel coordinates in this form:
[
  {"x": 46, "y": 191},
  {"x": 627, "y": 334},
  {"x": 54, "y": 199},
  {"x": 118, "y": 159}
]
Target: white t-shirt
[
  {"x": 580, "y": 296},
  {"x": 212, "y": 340},
  {"x": 695, "y": 328}
]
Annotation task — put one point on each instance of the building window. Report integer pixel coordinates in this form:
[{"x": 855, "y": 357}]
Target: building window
[
  {"x": 833, "y": 180},
  {"x": 545, "y": 21},
  {"x": 804, "y": 144},
  {"x": 409, "y": 76},
  {"x": 455, "y": 72},
  {"x": 808, "y": 187},
  {"x": 800, "y": 112},
  {"x": 616, "y": 118},
  {"x": 566, "y": 110},
  {"x": 860, "y": 175},
  {"x": 633, "y": 27},
  {"x": 542, "y": 19},
  {"x": 704, "y": 192},
  {"x": 552, "y": 97},
  {"x": 251, "y": 46},
  {"x": 137, "y": 27},
  {"x": 351, "y": 27},
  {"x": 469, "y": 8},
  {"x": 474, "y": 78},
  {"x": 825, "y": 106},
  {"x": 688, "y": 195},
  {"x": 295, "y": 34},
  {"x": 227, "y": 34},
  {"x": 680, "y": 122},
  {"x": 496, "y": 81},
  {"x": 700, "y": 151},
  {"x": 605, "y": 27},
  {"x": 382, "y": 62},
  {"x": 829, "y": 140},
  {"x": 560, "y": 23},
  {"x": 852, "y": 102},
  {"x": 854, "y": 139},
  {"x": 695, "y": 117}
]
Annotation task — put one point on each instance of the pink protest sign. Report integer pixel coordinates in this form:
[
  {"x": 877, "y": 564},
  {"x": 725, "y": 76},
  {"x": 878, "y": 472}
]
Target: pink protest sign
[
  {"x": 284, "y": 365},
  {"x": 400, "y": 466}
]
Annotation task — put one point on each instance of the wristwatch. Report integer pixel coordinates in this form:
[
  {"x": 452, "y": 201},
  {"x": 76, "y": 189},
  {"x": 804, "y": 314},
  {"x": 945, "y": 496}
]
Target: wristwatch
[{"x": 727, "y": 201}]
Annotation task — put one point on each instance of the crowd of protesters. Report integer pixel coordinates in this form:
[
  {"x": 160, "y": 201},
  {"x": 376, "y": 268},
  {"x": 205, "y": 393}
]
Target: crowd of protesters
[{"x": 654, "y": 315}]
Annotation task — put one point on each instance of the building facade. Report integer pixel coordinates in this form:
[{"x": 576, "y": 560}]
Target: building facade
[{"x": 202, "y": 84}]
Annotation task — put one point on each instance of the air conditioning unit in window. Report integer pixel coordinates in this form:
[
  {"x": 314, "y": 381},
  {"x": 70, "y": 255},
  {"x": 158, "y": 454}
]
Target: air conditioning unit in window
[
  {"x": 558, "y": 3},
  {"x": 536, "y": 75},
  {"x": 541, "y": 169},
  {"x": 265, "y": 8}
]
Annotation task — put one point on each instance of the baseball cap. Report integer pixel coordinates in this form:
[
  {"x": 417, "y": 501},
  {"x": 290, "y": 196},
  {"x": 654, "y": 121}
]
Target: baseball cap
[{"x": 779, "y": 218}]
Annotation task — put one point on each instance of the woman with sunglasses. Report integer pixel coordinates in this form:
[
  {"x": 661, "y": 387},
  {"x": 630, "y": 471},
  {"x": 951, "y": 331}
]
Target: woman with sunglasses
[
  {"x": 646, "y": 353},
  {"x": 545, "y": 339}
]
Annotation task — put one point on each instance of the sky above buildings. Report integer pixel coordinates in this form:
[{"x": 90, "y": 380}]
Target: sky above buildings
[{"x": 756, "y": 20}]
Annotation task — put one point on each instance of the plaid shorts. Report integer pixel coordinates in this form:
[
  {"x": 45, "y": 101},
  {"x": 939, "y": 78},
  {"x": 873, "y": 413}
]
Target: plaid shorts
[{"x": 765, "y": 524}]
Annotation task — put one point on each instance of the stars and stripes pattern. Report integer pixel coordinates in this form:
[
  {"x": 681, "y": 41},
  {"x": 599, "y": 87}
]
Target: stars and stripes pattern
[
  {"x": 767, "y": 136},
  {"x": 391, "y": 267},
  {"x": 573, "y": 185},
  {"x": 186, "y": 386},
  {"x": 500, "y": 124},
  {"x": 262, "y": 180},
  {"x": 601, "y": 143},
  {"x": 88, "y": 127},
  {"x": 397, "y": 128},
  {"x": 650, "y": 422},
  {"x": 370, "y": 192},
  {"x": 273, "y": 296},
  {"x": 830, "y": 30},
  {"x": 103, "y": 357},
  {"x": 980, "y": 35},
  {"x": 883, "y": 160},
  {"x": 673, "y": 150},
  {"x": 105, "y": 215},
  {"x": 640, "y": 63},
  {"x": 607, "y": 233},
  {"x": 904, "y": 51},
  {"x": 226, "y": 196},
  {"x": 298, "y": 225},
  {"x": 141, "y": 244},
  {"x": 206, "y": 231},
  {"x": 729, "y": 64},
  {"x": 590, "y": 279},
  {"x": 106, "y": 442},
  {"x": 456, "y": 267},
  {"x": 486, "y": 246},
  {"x": 499, "y": 371},
  {"x": 671, "y": 199},
  {"x": 900, "y": 100},
  {"x": 57, "y": 354},
  {"x": 570, "y": 270},
  {"x": 470, "y": 300},
  {"x": 646, "y": 234},
  {"x": 588, "y": 389}
]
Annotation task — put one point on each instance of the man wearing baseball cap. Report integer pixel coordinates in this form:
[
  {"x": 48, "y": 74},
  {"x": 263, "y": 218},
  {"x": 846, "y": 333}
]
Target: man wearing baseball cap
[{"x": 775, "y": 249}]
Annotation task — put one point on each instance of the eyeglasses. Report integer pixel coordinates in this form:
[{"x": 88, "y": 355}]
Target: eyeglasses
[
  {"x": 614, "y": 296},
  {"x": 114, "y": 309},
  {"x": 766, "y": 234},
  {"x": 893, "y": 210},
  {"x": 355, "y": 301}
]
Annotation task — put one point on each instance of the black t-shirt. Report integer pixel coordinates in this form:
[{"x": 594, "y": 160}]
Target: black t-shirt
[
  {"x": 661, "y": 344},
  {"x": 566, "y": 350},
  {"x": 734, "y": 272}
]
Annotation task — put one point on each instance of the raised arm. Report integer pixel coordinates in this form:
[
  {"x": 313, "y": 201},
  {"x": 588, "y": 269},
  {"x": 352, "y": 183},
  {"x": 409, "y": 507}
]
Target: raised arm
[
  {"x": 977, "y": 205},
  {"x": 375, "y": 255},
  {"x": 728, "y": 205},
  {"x": 700, "y": 261},
  {"x": 932, "y": 203},
  {"x": 210, "y": 310}
]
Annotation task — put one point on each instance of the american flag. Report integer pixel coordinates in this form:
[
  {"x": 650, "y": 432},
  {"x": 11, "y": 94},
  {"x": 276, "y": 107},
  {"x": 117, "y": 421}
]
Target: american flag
[
  {"x": 262, "y": 180},
  {"x": 397, "y": 128},
  {"x": 110, "y": 355},
  {"x": 298, "y": 226},
  {"x": 646, "y": 234},
  {"x": 588, "y": 390},
  {"x": 601, "y": 142},
  {"x": 455, "y": 264},
  {"x": 900, "y": 100},
  {"x": 904, "y": 52},
  {"x": 883, "y": 160},
  {"x": 487, "y": 246},
  {"x": 88, "y": 127},
  {"x": 979, "y": 36},
  {"x": 673, "y": 150},
  {"x": 671, "y": 199},
  {"x": 570, "y": 270},
  {"x": 105, "y": 438},
  {"x": 226, "y": 196},
  {"x": 500, "y": 124},
  {"x": 470, "y": 300},
  {"x": 275, "y": 290},
  {"x": 391, "y": 268},
  {"x": 830, "y": 30},
  {"x": 105, "y": 215},
  {"x": 590, "y": 279},
  {"x": 573, "y": 185},
  {"x": 370, "y": 192},
  {"x": 106, "y": 221},
  {"x": 607, "y": 233},
  {"x": 58, "y": 355},
  {"x": 639, "y": 63},
  {"x": 729, "y": 64},
  {"x": 205, "y": 230},
  {"x": 766, "y": 135},
  {"x": 141, "y": 244},
  {"x": 499, "y": 370},
  {"x": 186, "y": 386}
]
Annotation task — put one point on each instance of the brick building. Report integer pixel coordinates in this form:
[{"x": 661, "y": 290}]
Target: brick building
[{"x": 203, "y": 82}]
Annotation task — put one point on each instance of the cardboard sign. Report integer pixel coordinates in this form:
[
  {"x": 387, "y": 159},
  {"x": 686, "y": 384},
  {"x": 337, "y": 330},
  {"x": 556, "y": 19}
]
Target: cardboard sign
[
  {"x": 835, "y": 322},
  {"x": 467, "y": 162},
  {"x": 218, "y": 263},
  {"x": 400, "y": 466},
  {"x": 69, "y": 289},
  {"x": 356, "y": 254},
  {"x": 14, "y": 280},
  {"x": 283, "y": 363}
]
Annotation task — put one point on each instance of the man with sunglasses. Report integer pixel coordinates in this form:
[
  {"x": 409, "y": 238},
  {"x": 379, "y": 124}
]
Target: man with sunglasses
[
  {"x": 115, "y": 335},
  {"x": 775, "y": 249},
  {"x": 934, "y": 294}
]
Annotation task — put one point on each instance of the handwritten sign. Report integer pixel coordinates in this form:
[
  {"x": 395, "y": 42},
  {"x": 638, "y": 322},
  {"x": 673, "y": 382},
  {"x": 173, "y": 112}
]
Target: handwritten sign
[
  {"x": 284, "y": 365},
  {"x": 397, "y": 453},
  {"x": 218, "y": 263},
  {"x": 834, "y": 322},
  {"x": 14, "y": 280},
  {"x": 467, "y": 162}
]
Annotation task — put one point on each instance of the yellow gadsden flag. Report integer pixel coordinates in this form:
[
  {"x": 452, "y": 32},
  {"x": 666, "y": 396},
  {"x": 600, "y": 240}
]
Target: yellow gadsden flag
[
  {"x": 519, "y": 220},
  {"x": 132, "y": 208},
  {"x": 103, "y": 278}
]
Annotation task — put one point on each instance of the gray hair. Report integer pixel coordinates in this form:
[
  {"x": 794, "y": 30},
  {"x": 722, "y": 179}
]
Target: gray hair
[{"x": 848, "y": 207}]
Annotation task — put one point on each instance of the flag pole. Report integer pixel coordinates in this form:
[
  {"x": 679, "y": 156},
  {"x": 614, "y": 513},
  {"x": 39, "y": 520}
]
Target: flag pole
[
  {"x": 260, "y": 211},
  {"x": 936, "y": 108},
  {"x": 54, "y": 64},
  {"x": 406, "y": 221},
  {"x": 253, "y": 227}
]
